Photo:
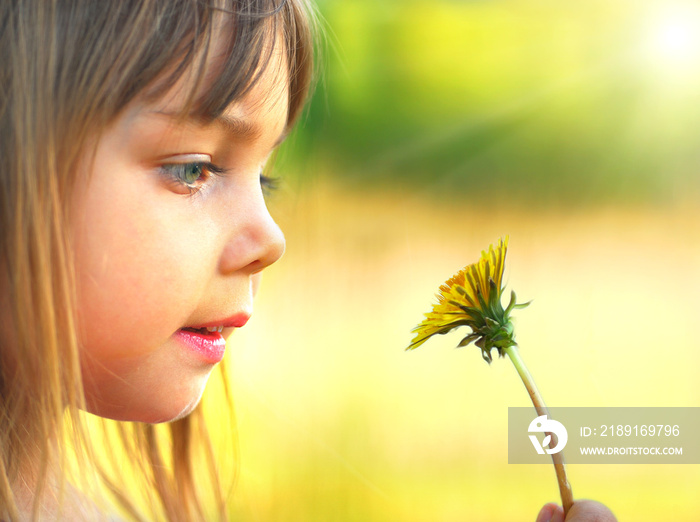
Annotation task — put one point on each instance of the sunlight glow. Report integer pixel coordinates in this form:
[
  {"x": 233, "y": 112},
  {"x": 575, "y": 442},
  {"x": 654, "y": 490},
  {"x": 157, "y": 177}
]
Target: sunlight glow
[{"x": 675, "y": 40}]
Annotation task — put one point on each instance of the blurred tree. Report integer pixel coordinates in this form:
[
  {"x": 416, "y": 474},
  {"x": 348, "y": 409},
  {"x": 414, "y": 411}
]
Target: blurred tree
[{"x": 551, "y": 102}]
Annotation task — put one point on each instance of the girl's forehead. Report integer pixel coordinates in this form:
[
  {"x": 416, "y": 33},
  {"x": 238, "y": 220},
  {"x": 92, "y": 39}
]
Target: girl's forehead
[
  {"x": 260, "y": 115},
  {"x": 267, "y": 88}
]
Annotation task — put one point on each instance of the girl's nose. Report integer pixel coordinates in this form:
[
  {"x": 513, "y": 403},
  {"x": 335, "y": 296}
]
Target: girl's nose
[{"x": 255, "y": 241}]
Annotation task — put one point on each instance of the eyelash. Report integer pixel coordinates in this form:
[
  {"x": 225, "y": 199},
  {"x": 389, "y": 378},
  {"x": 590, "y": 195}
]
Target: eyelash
[
  {"x": 206, "y": 170},
  {"x": 269, "y": 184}
]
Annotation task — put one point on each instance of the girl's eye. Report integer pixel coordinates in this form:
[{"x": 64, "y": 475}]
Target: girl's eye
[{"x": 191, "y": 175}]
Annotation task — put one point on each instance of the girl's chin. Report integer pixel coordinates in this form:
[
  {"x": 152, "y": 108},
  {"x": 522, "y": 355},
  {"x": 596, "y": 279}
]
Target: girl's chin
[
  {"x": 148, "y": 411},
  {"x": 143, "y": 416},
  {"x": 184, "y": 412}
]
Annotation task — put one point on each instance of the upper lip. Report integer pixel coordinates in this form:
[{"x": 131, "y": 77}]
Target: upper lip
[{"x": 236, "y": 320}]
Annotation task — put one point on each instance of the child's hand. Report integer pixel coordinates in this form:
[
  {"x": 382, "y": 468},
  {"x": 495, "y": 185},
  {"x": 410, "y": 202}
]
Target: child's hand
[{"x": 582, "y": 511}]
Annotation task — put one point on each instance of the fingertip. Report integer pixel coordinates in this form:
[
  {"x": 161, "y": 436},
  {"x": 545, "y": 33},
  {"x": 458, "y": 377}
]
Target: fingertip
[
  {"x": 551, "y": 513},
  {"x": 545, "y": 513}
]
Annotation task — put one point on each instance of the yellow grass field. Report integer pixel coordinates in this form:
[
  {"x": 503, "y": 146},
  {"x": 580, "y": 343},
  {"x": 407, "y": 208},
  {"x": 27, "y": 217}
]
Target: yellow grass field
[{"x": 338, "y": 423}]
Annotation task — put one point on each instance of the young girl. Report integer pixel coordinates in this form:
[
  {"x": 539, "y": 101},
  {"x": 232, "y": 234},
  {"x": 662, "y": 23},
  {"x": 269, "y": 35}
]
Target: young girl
[{"x": 133, "y": 136}]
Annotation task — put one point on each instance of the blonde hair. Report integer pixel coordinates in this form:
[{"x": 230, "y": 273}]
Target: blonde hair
[{"x": 67, "y": 69}]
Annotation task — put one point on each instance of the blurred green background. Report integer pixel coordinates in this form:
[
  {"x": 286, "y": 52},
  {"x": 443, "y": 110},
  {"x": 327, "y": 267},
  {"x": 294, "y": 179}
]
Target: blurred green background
[{"x": 437, "y": 127}]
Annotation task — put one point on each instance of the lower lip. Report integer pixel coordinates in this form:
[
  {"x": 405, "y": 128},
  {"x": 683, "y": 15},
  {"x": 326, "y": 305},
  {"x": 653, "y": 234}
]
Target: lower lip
[{"x": 210, "y": 347}]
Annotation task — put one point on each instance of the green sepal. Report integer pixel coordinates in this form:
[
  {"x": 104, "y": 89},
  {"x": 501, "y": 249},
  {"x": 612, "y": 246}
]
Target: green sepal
[
  {"x": 492, "y": 322},
  {"x": 468, "y": 339}
]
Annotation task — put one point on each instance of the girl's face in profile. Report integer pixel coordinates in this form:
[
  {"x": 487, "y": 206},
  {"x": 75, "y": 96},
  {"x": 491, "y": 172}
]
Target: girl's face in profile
[{"x": 171, "y": 232}]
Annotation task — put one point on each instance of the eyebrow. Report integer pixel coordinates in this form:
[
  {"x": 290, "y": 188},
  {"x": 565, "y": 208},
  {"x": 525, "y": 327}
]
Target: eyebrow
[
  {"x": 245, "y": 129},
  {"x": 238, "y": 127}
]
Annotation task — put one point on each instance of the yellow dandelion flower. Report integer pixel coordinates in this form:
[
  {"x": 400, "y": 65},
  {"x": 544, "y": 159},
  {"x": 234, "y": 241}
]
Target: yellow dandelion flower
[{"x": 472, "y": 297}]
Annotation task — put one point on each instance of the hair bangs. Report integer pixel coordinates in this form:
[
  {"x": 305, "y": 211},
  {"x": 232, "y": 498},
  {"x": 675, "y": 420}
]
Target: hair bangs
[
  {"x": 153, "y": 44},
  {"x": 239, "y": 40}
]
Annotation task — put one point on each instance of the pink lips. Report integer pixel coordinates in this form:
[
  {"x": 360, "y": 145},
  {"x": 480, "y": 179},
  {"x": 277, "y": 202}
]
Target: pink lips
[
  {"x": 235, "y": 321},
  {"x": 210, "y": 346}
]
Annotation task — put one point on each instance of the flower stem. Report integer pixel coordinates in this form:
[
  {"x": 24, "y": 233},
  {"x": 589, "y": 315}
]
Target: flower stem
[{"x": 567, "y": 497}]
